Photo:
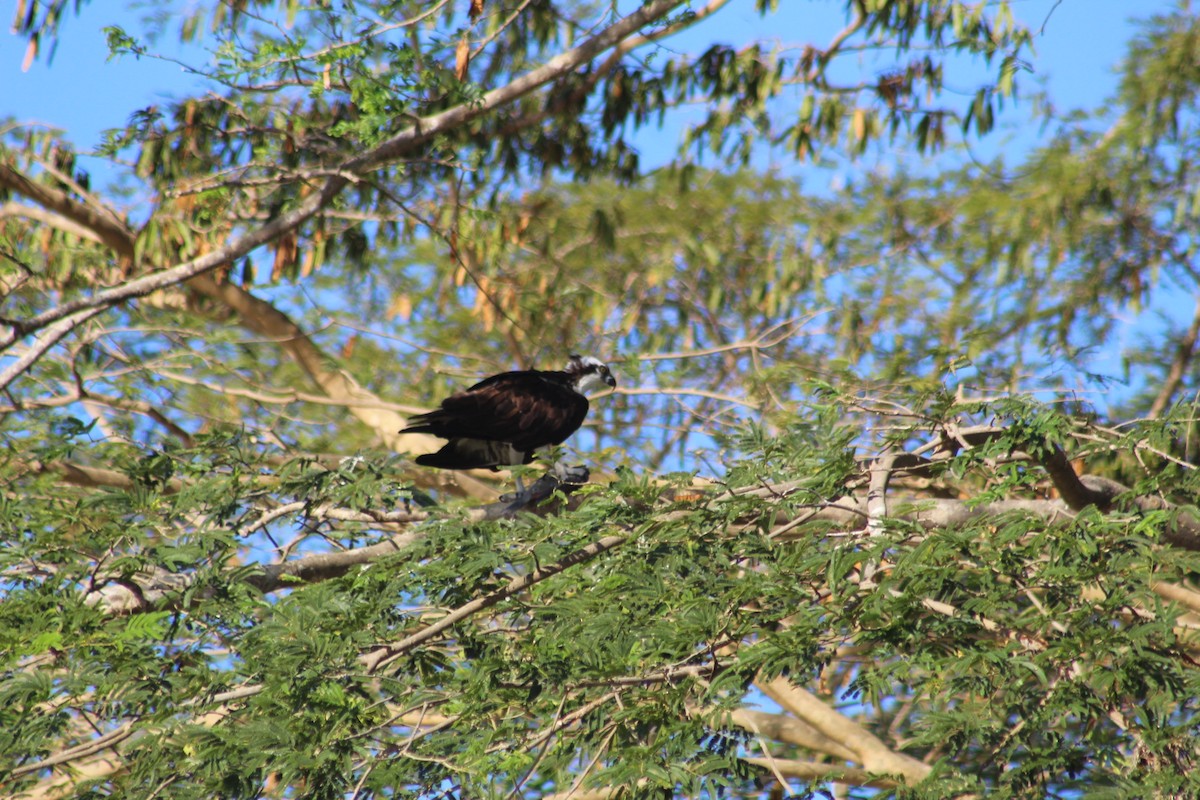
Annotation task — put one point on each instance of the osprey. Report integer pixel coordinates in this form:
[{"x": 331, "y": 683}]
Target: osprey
[{"x": 502, "y": 420}]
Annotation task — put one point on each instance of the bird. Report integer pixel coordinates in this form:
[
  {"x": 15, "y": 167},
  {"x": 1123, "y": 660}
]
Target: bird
[{"x": 503, "y": 420}]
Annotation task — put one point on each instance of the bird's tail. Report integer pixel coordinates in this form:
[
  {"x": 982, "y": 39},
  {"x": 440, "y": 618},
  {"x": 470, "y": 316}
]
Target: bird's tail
[
  {"x": 473, "y": 454},
  {"x": 430, "y": 422}
]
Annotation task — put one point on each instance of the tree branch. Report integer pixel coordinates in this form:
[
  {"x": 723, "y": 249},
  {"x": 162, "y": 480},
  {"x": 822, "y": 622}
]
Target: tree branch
[
  {"x": 51, "y": 336},
  {"x": 106, "y": 227},
  {"x": 156, "y": 590},
  {"x": 47, "y": 217},
  {"x": 556, "y": 67},
  {"x": 875, "y": 756},
  {"x": 1183, "y": 357},
  {"x": 812, "y": 771},
  {"x": 385, "y": 655},
  {"x": 1188, "y": 598},
  {"x": 94, "y": 477},
  {"x": 90, "y": 747},
  {"x": 786, "y": 729},
  {"x": 1075, "y": 493}
]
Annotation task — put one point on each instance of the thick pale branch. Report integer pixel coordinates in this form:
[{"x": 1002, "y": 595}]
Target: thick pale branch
[
  {"x": 811, "y": 771},
  {"x": 603, "y": 793},
  {"x": 1188, "y": 598},
  {"x": 269, "y": 322},
  {"x": 153, "y": 592},
  {"x": 852, "y": 513},
  {"x": 106, "y": 227},
  {"x": 1182, "y": 530},
  {"x": 49, "y": 337},
  {"x": 787, "y": 729},
  {"x": 58, "y": 786},
  {"x": 156, "y": 590},
  {"x": 93, "y": 477},
  {"x": 264, "y": 319},
  {"x": 324, "y": 566},
  {"x": 60, "y": 321},
  {"x": 1083, "y": 491},
  {"x": 875, "y": 756},
  {"x": 106, "y": 740},
  {"x": 48, "y": 217}
]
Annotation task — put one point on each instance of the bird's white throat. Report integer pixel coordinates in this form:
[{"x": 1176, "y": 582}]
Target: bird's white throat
[{"x": 592, "y": 382}]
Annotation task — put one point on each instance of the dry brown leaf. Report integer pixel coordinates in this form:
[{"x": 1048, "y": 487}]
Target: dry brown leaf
[
  {"x": 401, "y": 307},
  {"x": 462, "y": 58},
  {"x": 22, "y": 7},
  {"x": 859, "y": 123},
  {"x": 31, "y": 51},
  {"x": 309, "y": 264},
  {"x": 285, "y": 256}
]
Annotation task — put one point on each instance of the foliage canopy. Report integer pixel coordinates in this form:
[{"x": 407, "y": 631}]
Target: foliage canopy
[{"x": 861, "y": 518}]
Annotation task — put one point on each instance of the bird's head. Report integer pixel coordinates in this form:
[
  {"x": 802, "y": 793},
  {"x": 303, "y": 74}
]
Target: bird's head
[{"x": 590, "y": 374}]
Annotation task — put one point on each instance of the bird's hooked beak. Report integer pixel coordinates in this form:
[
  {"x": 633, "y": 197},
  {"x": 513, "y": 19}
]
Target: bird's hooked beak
[{"x": 600, "y": 380}]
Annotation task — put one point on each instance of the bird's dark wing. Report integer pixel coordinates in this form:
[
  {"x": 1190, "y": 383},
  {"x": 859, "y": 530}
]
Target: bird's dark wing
[{"x": 526, "y": 409}]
